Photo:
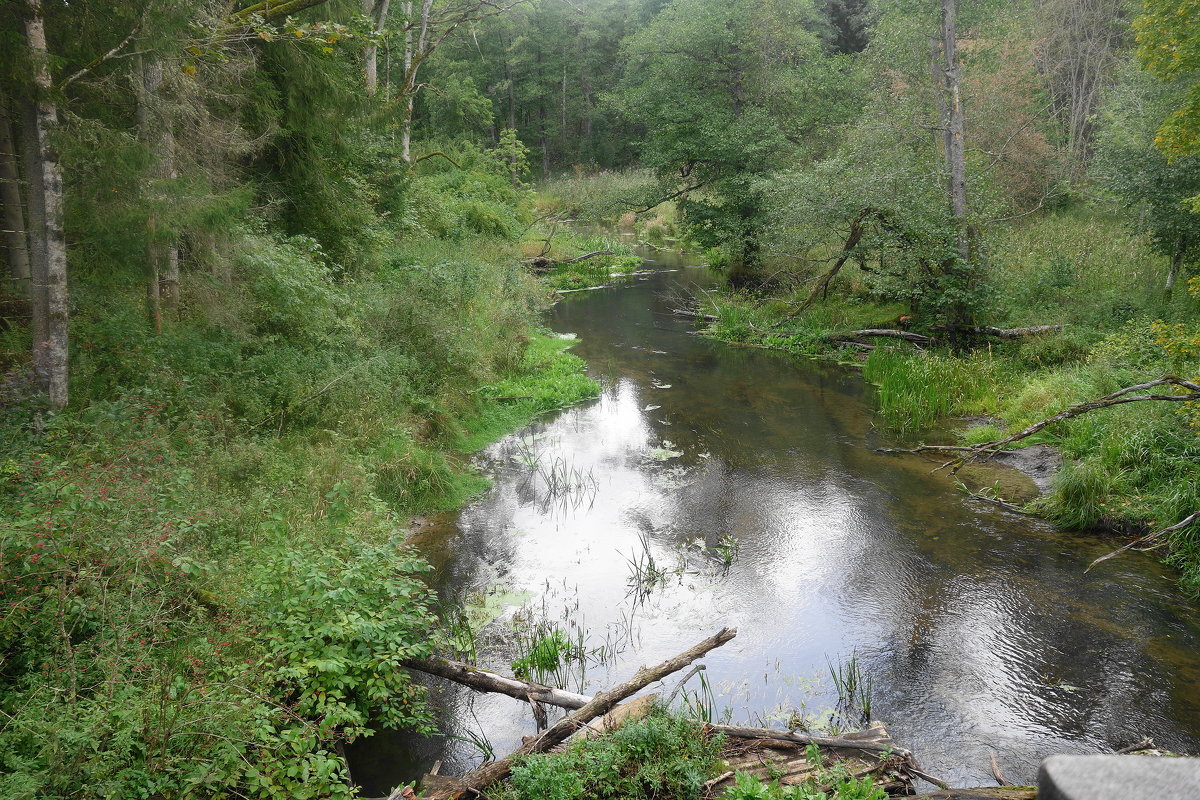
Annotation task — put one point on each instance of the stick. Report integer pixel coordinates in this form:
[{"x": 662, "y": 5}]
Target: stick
[
  {"x": 996, "y": 773},
  {"x": 690, "y": 674},
  {"x": 485, "y": 681},
  {"x": 708, "y": 784},
  {"x": 1144, "y": 744},
  {"x": 601, "y": 704},
  {"x": 1183, "y": 523},
  {"x": 588, "y": 255}
]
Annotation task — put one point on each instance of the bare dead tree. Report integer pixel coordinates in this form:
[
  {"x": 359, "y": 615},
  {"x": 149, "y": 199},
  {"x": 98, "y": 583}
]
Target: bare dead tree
[{"x": 1079, "y": 48}]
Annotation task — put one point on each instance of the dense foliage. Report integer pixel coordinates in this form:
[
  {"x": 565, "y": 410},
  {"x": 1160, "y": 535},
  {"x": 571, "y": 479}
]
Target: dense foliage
[{"x": 266, "y": 287}]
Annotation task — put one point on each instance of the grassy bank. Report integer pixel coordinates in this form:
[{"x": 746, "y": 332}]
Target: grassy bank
[
  {"x": 1135, "y": 467},
  {"x": 663, "y": 756},
  {"x": 205, "y": 591}
]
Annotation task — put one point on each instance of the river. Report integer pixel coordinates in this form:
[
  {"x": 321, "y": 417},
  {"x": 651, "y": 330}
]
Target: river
[{"x": 978, "y": 628}]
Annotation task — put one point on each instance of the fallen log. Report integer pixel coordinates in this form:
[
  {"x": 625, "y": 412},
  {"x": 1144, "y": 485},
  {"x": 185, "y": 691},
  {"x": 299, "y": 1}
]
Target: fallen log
[
  {"x": 589, "y": 255},
  {"x": 1127, "y": 395},
  {"x": 908, "y": 336},
  {"x": 1183, "y": 523},
  {"x": 983, "y": 793},
  {"x": 1000, "y": 333},
  {"x": 485, "y": 681},
  {"x": 683, "y": 312},
  {"x": 851, "y": 741},
  {"x": 601, "y": 704}
]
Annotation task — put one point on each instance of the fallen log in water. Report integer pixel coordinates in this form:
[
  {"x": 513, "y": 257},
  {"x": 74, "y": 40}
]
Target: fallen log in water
[
  {"x": 485, "y": 681},
  {"x": 683, "y": 312},
  {"x": 600, "y": 704}
]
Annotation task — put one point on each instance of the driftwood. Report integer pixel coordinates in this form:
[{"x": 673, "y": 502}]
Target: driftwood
[
  {"x": 860, "y": 741},
  {"x": 486, "y": 681},
  {"x": 586, "y": 256},
  {"x": 996, "y": 773},
  {"x": 1000, "y": 333},
  {"x": 888, "y": 333},
  {"x": 601, "y": 704},
  {"x": 683, "y": 312}
]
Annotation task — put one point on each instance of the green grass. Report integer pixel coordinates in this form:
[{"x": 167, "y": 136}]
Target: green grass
[
  {"x": 548, "y": 378},
  {"x": 1134, "y": 467}
]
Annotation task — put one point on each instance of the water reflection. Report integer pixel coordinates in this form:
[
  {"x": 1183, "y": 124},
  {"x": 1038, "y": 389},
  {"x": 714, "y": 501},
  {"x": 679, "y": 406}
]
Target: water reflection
[{"x": 980, "y": 628}]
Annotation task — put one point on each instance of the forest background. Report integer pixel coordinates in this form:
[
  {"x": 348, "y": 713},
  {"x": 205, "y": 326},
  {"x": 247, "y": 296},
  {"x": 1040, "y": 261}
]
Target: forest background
[{"x": 266, "y": 288}]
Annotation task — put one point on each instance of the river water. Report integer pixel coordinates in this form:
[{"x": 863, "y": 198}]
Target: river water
[{"x": 978, "y": 627}]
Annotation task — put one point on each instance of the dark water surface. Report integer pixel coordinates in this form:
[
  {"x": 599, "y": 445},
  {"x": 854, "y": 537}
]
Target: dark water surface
[{"x": 978, "y": 627}]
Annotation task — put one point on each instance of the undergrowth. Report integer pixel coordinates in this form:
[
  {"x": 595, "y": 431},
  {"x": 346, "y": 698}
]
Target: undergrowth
[
  {"x": 1134, "y": 467},
  {"x": 205, "y": 590}
]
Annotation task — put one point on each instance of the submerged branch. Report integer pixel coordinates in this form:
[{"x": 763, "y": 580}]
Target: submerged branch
[{"x": 1178, "y": 526}]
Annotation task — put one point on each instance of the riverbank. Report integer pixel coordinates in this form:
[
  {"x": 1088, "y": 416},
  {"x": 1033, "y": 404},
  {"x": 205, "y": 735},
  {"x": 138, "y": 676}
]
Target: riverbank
[
  {"x": 1129, "y": 469},
  {"x": 205, "y": 585}
]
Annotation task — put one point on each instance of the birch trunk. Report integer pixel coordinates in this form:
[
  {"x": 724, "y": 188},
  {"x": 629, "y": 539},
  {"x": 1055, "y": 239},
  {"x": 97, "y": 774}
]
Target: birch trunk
[
  {"x": 16, "y": 246},
  {"x": 376, "y": 11},
  {"x": 409, "y": 84},
  {"x": 956, "y": 159},
  {"x": 154, "y": 129},
  {"x": 49, "y": 354}
]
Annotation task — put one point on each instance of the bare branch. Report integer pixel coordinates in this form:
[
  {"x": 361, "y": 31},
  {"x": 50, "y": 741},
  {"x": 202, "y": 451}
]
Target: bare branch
[{"x": 98, "y": 61}]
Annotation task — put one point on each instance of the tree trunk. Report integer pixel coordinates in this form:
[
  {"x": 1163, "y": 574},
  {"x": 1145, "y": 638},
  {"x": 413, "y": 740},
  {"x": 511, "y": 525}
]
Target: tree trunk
[
  {"x": 1176, "y": 263},
  {"x": 50, "y": 354},
  {"x": 16, "y": 246},
  {"x": 409, "y": 85},
  {"x": 35, "y": 226},
  {"x": 512, "y": 92},
  {"x": 154, "y": 129},
  {"x": 542, "y": 140},
  {"x": 376, "y": 11},
  {"x": 956, "y": 159},
  {"x": 585, "y": 86}
]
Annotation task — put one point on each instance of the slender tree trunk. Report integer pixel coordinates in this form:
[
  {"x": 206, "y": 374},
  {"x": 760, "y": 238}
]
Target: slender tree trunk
[
  {"x": 585, "y": 86},
  {"x": 1176, "y": 263},
  {"x": 956, "y": 159},
  {"x": 35, "y": 226},
  {"x": 154, "y": 129},
  {"x": 409, "y": 81},
  {"x": 954, "y": 125},
  {"x": 376, "y": 11},
  {"x": 542, "y": 116},
  {"x": 50, "y": 354},
  {"x": 16, "y": 246},
  {"x": 512, "y": 94}
]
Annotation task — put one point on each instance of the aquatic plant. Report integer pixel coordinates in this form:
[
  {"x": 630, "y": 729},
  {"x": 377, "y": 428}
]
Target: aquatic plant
[{"x": 854, "y": 687}]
